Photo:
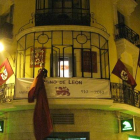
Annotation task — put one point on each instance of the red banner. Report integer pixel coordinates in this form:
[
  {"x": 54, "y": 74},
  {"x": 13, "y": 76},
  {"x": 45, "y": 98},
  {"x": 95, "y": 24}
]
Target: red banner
[
  {"x": 122, "y": 72},
  {"x": 5, "y": 71},
  {"x": 37, "y": 57}
]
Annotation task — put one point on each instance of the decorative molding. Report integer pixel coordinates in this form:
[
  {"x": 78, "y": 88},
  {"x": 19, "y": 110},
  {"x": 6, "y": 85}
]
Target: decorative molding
[
  {"x": 125, "y": 6},
  {"x": 5, "y": 6},
  {"x": 124, "y": 45},
  {"x": 62, "y": 27}
]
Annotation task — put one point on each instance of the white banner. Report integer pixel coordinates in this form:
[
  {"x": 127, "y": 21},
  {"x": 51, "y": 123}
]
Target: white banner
[{"x": 67, "y": 88}]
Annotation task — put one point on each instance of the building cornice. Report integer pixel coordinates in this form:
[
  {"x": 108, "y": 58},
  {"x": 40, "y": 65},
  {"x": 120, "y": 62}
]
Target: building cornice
[{"x": 126, "y": 7}]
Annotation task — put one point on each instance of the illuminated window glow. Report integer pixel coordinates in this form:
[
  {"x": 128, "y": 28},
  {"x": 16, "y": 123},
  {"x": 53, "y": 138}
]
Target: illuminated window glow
[{"x": 65, "y": 68}]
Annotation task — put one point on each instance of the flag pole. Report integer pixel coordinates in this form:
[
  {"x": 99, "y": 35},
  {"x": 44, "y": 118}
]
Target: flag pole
[
  {"x": 136, "y": 72},
  {"x": 137, "y": 65}
]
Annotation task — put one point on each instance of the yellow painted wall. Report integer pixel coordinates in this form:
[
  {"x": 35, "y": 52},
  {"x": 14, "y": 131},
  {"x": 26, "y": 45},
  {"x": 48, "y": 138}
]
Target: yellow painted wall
[
  {"x": 100, "y": 124},
  {"x": 135, "y": 25},
  {"x": 135, "y": 18},
  {"x": 22, "y": 13},
  {"x": 103, "y": 13}
]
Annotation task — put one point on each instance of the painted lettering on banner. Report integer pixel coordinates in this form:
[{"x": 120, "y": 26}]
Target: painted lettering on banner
[{"x": 67, "y": 88}]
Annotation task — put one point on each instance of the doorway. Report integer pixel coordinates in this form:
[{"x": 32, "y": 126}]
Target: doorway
[{"x": 68, "y": 136}]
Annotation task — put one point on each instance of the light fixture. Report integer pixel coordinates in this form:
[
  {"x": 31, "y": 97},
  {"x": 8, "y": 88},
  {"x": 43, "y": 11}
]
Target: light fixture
[{"x": 1, "y": 47}]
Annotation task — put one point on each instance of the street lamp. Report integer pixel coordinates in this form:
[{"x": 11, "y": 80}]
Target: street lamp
[{"x": 1, "y": 47}]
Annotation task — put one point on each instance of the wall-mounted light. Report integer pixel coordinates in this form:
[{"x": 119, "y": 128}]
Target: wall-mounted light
[{"x": 1, "y": 47}]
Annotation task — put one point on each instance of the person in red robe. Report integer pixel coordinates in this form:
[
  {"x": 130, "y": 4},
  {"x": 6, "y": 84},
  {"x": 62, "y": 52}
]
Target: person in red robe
[{"x": 42, "y": 119}]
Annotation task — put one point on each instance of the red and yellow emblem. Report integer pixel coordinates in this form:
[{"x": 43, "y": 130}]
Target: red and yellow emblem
[{"x": 3, "y": 73}]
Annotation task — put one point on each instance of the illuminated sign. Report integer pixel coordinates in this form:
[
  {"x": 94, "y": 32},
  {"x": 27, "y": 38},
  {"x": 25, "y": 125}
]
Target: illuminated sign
[
  {"x": 127, "y": 125},
  {"x": 133, "y": 137},
  {"x": 1, "y": 126}
]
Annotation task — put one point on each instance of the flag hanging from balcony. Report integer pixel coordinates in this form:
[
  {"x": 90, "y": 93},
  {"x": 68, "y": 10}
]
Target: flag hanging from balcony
[
  {"x": 42, "y": 119},
  {"x": 5, "y": 71},
  {"x": 122, "y": 72}
]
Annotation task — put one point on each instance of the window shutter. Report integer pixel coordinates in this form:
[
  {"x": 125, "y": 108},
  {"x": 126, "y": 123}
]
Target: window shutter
[{"x": 89, "y": 63}]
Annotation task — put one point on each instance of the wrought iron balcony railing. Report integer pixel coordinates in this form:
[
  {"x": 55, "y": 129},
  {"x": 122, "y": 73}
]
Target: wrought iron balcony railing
[
  {"x": 35, "y": 18},
  {"x": 62, "y": 18},
  {"x": 6, "y": 30},
  {"x": 122, "y": 93},
  {"x": 123, "y": 31}
]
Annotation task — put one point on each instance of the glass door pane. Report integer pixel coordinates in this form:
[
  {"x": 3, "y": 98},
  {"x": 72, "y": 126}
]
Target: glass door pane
[{"x": 64, "y": 67}]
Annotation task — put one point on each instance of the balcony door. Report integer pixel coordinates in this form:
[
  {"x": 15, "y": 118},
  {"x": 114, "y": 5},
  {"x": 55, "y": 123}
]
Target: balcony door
[{"x": 62, "y": 61}]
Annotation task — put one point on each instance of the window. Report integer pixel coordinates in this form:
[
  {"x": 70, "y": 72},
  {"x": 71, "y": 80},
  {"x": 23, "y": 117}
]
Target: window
[
  {"x": 8, "y": 18},
  {"x": 121, "y": 18},
  {"x": 6, "y": 24}
]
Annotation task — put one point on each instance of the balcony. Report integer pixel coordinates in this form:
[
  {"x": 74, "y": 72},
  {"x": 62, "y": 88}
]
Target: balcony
[
  {"x": 6, "y": 30},
  {"x": 62, "y": 12},
  {"x": 123, "y": 31},
  {"x": 82, "y": 17},
  {"x": 122, "y": 93},
  {"x": 84, "y": 49}
]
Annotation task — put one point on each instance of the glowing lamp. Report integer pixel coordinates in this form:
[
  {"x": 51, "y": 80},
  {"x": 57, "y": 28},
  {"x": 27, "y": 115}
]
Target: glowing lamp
[{"x": 1, "y": 47}]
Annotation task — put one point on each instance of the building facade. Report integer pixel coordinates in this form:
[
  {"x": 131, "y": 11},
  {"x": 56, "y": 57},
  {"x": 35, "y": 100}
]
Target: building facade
[{"x": 79, "y": 43}]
